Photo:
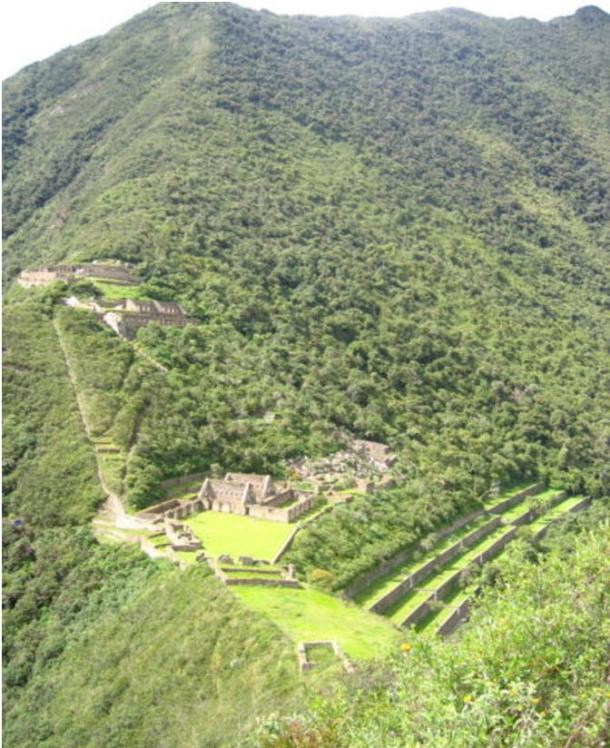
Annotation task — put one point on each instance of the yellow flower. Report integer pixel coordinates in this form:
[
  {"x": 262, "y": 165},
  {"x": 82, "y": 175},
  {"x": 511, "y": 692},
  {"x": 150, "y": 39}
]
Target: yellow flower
[
  {"x": 514, "y": 692},
  {"x": 535, "y": 700},
  {"x": 404, "y": 647},
  {"x": 468, "y": 699}
]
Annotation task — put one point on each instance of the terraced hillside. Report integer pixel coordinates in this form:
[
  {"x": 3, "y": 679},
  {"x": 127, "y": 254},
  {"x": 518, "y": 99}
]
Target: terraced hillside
[{"x": 428, "y": 591}]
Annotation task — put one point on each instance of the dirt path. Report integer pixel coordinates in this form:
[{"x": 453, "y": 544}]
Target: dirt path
[
  {"x": 113, "y": 509},
  {"x": 140, "y": 352}
]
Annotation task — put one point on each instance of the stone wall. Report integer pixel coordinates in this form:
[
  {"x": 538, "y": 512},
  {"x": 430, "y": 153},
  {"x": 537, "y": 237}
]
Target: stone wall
[
  {"x": 495, "y": 547},
  {"x": 436, "y": 595},
  {"x": 279, "y": 514},
  {"x": 534, "y": 512},
  {"x": 516, "y": 498},
  {"x": 164, "y": 506},
  {"x": 260, "y": 582},
  {"x": 306, "y": 664},
  {"x": 418, "y": 613},
  {"x": 576, "y": 508},
  {"x": 454, "y": 620},
  {"x": 280, "y": 498},
  {"x": 372, "y": 575}
]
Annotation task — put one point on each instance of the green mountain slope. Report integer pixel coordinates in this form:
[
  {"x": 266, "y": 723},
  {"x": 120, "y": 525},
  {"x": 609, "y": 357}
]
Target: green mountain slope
[
  {"x": 397, "y": 227},
  {"x": 394, "y": 227},
  {"x": 101, "y": 645}
]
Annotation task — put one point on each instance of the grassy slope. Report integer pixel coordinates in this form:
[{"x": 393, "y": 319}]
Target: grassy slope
[
  {"x": 182, "y": 661},
  {"x": 308, "y": 614}
]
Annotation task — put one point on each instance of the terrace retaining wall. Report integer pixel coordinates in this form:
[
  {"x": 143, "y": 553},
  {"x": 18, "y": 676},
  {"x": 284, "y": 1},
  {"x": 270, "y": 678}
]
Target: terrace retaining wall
[
  {"x": 454, "y": 620},
  {"x": 261, "y": 582},
  {"x": 495, "y": 547},
  {"x": 516, "y": 498},
  {"x": 372, "y": 575},
  {"x": 423, "y": 609},
  {"x": 534, "y": 512},
  {"x": 418, "y": 613},
  {"x": 424, "y": 571},
  {"x": 576, "y": 508}
]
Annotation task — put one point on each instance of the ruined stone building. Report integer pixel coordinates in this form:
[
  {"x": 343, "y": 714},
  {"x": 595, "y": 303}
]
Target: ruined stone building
[
  {"x": 237, "y": 493},
  {"x": 254, "y": 495},
  {"x": 376, "y": 452},
  {"x": 119, "y": 273},
  {"x": 129, "y": 315},
  {"x": 43, "y": 276}
]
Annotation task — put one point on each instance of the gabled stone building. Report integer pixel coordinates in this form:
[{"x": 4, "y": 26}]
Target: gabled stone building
[{"x": 239, "y": 493}]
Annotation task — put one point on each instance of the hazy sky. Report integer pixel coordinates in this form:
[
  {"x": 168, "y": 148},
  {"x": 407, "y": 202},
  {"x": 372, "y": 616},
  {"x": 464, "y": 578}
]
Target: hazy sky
[{"x": 31, "y": 30}]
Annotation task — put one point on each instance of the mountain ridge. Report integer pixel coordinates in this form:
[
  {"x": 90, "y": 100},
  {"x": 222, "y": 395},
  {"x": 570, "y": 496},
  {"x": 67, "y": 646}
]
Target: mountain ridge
[{"x": 396, "y": 229}]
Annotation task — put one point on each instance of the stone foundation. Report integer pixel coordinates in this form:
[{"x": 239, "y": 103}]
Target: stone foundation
[{"x": 306, "y": 664}]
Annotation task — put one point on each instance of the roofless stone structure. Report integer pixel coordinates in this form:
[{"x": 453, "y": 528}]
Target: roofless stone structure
[
  {"x": 238, "y": 493},
  {"x": 129, "y": 315},
  {"x": 116, "y": 272}
]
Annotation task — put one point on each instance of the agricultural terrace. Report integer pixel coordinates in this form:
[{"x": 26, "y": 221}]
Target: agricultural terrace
[
  {"x": 117, "y": 291},
  {"x": 238, "y": 535},
  {"x": 307, "y": 614}
]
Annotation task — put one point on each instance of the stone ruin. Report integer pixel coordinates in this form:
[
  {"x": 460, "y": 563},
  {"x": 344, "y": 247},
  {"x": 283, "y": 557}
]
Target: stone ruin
[
  {"x": 238, "y": 493},
  {"x": 117, "y": 272},
  {"x": 305, "y": 663},
  {"x": 180, "y": 536},
  {"x": 362, "y": 465},
  {"x": 255, "y": 496},
  {"x": 379, "y": 454},
  {"x": 129, "y": 315}
]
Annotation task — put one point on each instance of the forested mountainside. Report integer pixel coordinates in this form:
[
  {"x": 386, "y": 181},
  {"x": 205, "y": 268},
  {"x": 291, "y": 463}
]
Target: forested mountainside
[{"x": 396, "y": 228}]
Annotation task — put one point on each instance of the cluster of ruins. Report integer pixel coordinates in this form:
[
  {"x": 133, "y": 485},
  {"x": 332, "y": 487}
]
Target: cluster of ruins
[
  {"x": 180, "y": 536},
  {"x": 127, "y": 316},
  {"x": 239, "y": 493},
  {"x": 118, "y": 273},
  {"x": 361, "y": 465}
]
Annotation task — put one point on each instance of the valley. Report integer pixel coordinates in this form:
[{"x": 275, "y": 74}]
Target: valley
[{"x": 305, "y": 383}]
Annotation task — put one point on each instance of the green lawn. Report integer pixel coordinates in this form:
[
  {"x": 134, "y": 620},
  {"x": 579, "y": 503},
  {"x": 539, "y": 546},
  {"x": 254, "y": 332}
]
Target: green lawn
[
  {"x": 237, "y": 535},
  {"x": 114, "y": 291},
  {"x": 308, "y": 614}
]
